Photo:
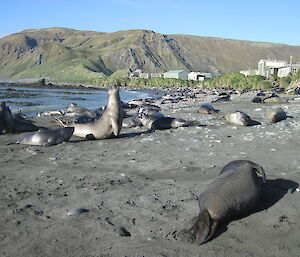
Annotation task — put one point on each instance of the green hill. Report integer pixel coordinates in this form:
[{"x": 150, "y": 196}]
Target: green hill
[{"x": 73, "y": 55}]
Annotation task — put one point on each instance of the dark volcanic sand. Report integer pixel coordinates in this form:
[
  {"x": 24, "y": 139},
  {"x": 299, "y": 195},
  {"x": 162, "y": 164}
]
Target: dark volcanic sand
[{"x": 139, "y": 188}]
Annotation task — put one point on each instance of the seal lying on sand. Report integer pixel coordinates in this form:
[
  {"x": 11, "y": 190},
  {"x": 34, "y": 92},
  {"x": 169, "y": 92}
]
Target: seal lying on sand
[
  {"x": 256, "y": 99},
  {"x": 108, "y": 125},
  {"x": 276, "y": 115},
  {"x": 135, "y": 121},
  {"x": 12, "y": 124},
  {"x": 235, "y": 192},
  {"x": 74, "y": 110},
  {"x": 149, "y": 109},
  {"x": 156, "y": 122},
  {"x": 273, "y": 98},
  {"x": 131, "y": 122},
  {"x": 47, "y": 137},
  {"x": 223, "y": 98},
  {"x": 239, "y": 118},
  {"x": 207, "y": 109}
]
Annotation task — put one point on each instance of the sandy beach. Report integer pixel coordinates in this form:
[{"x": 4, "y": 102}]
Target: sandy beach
[{"x": 137, "y": 191}]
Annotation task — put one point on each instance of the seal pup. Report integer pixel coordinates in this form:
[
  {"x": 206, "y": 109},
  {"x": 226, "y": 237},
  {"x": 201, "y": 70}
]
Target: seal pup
[
  {"x": 156, "y": 122},
  {"x": 74, "y": 110},
  {"x": 108, "y": 125},
  {"x": 15, "y": 125},
  {"x": 139, "y": 102},
  {"x": 235, "y": 192},
  {"x": 239, "y": 118},
  {"x": 256, "y": 99},
  {"x": 207, "y": 109},
  {"x": 273, "y": 98},
  {"x": 47, "y": 137},
  {"x": 223, "y": 98},
  {"x": 276, "y": 115},
  {"x": 132, "y": 122},
  {"x": 49, "y": 113},
  {"x": 149, "y": 109},
  {"x": 152, "y": 110}
]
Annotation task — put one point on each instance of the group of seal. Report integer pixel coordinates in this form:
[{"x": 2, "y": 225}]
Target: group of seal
[
  {"x": 235, "y": 192},
  {"x": 149, "y": 116},
  {"x": 108, "y": 125},
  {"x": 90, "y": 124},
  {"x": 45, "y": 137},
  {"x": 243, "y": 119}
]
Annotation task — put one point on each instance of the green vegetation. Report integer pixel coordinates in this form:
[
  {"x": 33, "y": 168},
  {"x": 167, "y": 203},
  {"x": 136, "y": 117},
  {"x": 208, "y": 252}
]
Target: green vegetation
[
  {"x": 70, "y": 55},
  {"x": 141, "y": 82},
  {"x": 286, "y": 82},
  {"x": 296, "y": 77},
  {"x": 71, "y": 71},
  {"x": 239, "y": 81}
]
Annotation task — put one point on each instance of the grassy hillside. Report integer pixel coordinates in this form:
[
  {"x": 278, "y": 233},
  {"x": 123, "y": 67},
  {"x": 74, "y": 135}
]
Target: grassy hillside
[{"x": 73, "y": 55}]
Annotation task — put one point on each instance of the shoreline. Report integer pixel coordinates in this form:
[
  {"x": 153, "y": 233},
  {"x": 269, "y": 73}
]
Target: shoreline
[{"x": 56, "y": 85}]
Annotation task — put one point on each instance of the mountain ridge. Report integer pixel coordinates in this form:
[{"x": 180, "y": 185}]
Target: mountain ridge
[{"x": 63, "y": 53}]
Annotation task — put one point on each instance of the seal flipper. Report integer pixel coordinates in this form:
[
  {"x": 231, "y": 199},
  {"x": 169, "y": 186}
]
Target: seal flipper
[
  {"x": 115, "y": 127},
  {"x": 90, "y": 137},
  {"x": 203, "y": 229}
]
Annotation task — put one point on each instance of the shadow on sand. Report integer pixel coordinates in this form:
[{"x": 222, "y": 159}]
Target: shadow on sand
[{"x": 123, "y": 135}]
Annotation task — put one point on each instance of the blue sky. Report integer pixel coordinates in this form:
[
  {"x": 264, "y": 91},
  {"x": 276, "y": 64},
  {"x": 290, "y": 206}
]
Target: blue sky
[{"x": 257, "y": 20}]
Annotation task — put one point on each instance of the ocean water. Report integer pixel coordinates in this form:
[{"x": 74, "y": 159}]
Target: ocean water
[{"x": 34, "y": 100}]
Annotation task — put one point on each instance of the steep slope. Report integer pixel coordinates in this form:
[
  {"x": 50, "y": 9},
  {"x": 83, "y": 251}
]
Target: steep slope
[
  {"x": 235, "y": 55},
  {"x": 68, "y": 54}
]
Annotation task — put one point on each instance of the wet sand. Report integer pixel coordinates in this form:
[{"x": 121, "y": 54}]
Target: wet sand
[{"x": 140, "y": 189}]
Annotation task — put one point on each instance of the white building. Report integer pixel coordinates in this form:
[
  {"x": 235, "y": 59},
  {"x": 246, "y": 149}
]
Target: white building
[
  {"x": 199, "y": 75},
  {"x": 269, "y": 67},
  {"x": 249, "y": 72},
  {"x": 176, "y": 74},
  {"x": 284, "y": 71},
  {"x": 136, "y": 73}
]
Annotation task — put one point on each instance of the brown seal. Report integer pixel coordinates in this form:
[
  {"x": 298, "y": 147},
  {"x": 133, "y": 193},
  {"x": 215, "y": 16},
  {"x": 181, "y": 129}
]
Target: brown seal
[
  {"x": 235, "y": 192},
  {"x": 238, "y": 118},
  {"x": 207, "y": 109},
  {"x": 108, "y": 125},
  {"x": 276, "y": 115},
  {"x": 11, "y": 124},
  {"x": 156, "y": 122},
  {"x": 47, "y": 137}
]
